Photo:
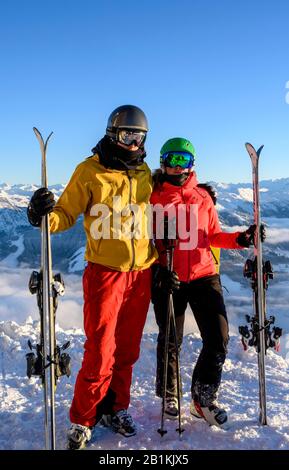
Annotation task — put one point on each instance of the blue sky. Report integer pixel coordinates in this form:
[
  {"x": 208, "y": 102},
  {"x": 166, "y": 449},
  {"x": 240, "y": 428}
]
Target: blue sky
[{"x": 212, "y": 71}]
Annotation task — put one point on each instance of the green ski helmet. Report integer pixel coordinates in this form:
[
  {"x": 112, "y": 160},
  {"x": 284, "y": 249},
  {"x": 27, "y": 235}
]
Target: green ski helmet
[{"x": 177, "y": 144}]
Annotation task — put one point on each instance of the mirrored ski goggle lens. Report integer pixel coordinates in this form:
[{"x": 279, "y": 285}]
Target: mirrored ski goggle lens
[
  {"x": 129, "y": 137},
  {"x": 174, "y": 159}
]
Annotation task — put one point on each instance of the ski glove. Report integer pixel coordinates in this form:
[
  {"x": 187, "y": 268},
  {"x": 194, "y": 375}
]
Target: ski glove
[
  {"x": 41, "y": 203},
  {"x": 165, "y": 279},
  {"x": 246, "y": 239}
]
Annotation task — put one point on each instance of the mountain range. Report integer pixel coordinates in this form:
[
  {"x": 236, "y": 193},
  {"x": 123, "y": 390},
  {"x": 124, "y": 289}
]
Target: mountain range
[{"x": 20, "y": 243}]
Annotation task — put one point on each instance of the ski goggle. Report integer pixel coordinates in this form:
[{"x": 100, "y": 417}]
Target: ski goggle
[
  {"x": 173, "y": 159},
  {"x": 129, "y": 137}
]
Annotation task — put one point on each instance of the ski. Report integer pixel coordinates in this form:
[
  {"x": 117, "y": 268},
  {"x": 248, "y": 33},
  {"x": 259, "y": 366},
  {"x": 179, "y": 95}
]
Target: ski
[
  {"x": 259, "y": 290},
  {"x": 260, "y": 335},
  {"x": 50, "y": 362}
]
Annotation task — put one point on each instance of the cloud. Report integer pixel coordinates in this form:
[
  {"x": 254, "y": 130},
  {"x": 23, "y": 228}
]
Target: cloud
[
  {"x": 16, "y": 302},
  {"x": 277, "y": 235}
]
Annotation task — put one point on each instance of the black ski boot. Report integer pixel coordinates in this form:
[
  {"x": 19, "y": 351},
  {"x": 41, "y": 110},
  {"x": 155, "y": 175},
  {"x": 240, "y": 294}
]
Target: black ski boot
[
  {"x": 78, "y": 436},
  {"x": 120, "y": 422},
  {"x": 171, "y": 408}
]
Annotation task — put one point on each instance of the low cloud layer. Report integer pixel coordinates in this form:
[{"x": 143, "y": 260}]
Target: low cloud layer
[{"x": 17, "y": 304}]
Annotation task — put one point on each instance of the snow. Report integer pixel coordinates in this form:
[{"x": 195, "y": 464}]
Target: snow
[
  {"x": 246, "y": 194},
  {"x": 21, "y": 400},
  {"x": 77, "y": 262},
  {"x": 12, "y": 259},
  {"x": 18, "y": 195}
]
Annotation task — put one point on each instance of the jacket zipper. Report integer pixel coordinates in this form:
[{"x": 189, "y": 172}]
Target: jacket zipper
[
  {"x": 132, "y": 225},
  {"x": 189, "y": 252}
]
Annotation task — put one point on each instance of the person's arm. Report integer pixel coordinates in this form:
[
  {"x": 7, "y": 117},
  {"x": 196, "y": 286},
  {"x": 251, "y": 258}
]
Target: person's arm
[
  {"x": 217, "y": 238},
  {"x": 73, "y": 201}
]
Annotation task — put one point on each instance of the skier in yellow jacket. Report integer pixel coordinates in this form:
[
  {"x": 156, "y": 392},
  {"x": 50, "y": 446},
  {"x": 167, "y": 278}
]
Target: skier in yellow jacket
[{"x": 108, "y": 188}]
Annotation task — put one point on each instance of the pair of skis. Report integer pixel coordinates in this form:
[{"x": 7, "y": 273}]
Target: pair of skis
[
  {"x": 259, "y": 332},
  {"x": 49, "y": 362}
]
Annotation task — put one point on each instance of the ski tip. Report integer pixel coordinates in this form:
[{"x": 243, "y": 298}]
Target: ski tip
[
  {"x": 40, "y": 138},
  {"x": 252, "y": 151},
  {"x": 36, "y": 130},
  {"x": 249, "y": 146},
  {"x": 260, "y": 150},
  {"x": 39, "y": 133}
]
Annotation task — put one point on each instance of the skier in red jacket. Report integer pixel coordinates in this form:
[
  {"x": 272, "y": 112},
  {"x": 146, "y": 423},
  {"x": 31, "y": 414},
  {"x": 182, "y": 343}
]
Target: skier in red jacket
[{"x": 194, "y": 280}]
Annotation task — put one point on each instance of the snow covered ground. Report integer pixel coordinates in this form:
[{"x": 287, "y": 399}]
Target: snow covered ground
[{"x": 21, "y": 400}]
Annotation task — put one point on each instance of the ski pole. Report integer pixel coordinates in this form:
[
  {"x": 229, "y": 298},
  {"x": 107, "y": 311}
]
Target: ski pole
[
  {"x": 170, "y": 244},
  {"x": 170, "y": 257},
  {"x": 161, "y": 430}
]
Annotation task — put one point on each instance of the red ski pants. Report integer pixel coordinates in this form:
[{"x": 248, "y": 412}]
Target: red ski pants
[{"x": 115, "y": 310}]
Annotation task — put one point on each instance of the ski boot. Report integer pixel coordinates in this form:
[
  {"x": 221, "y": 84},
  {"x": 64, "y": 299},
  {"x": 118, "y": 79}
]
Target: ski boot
[
  {"x": 204, "y": 406},
  {"x": 213, "y": 414},
  {"x": 120, "y": 422},
  {"x": 194, "y": 412},
  {"x": 78, "y": 436},
  {"x": 171, "y": 408}
]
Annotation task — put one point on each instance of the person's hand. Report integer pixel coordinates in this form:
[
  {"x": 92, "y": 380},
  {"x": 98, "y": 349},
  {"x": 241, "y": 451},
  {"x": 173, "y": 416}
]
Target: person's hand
[
  {"x": 41, "y": 203},
  {"x": 166, "y": 280},
  {"x": 246, "y": 238}
]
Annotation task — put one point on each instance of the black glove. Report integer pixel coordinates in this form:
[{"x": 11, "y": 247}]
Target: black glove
[
  {"x": 41, "y": 203},
  {"x": 246, "y": 238},
  {"x": 165, "y": 279}
]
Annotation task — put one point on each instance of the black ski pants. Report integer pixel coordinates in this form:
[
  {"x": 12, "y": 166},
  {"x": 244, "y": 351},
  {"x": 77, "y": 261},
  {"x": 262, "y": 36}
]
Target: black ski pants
[{"x": 205, "y": 298}]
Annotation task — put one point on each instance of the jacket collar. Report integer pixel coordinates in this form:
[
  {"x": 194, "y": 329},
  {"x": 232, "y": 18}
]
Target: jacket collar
[{"x": 190, "y": 183}]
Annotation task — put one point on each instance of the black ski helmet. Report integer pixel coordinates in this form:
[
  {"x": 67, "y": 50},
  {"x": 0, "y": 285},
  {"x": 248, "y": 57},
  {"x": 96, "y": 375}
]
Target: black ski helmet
[{"x": 126, "y": 117}]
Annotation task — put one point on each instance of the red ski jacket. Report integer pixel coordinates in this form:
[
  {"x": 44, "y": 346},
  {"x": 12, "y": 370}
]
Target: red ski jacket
[{"x": 196, "y": 261}]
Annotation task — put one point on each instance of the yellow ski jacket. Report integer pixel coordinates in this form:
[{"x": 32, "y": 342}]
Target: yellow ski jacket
[{"x": 112, "y": 202}]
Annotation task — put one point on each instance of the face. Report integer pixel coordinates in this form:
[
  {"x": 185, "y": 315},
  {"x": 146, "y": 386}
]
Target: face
[
  {"x": 176, "y": 171},
  {"x": 130, "y": 139},
  {"x": 132, "y": 147}
]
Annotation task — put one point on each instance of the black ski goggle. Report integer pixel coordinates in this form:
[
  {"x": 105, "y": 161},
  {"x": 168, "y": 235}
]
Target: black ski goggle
[{"x": 130, "y": 137}]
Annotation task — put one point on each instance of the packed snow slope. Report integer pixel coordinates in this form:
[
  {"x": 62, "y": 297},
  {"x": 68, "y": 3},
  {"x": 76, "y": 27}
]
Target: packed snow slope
[{"x": 21, "y": 400}]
